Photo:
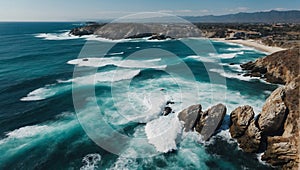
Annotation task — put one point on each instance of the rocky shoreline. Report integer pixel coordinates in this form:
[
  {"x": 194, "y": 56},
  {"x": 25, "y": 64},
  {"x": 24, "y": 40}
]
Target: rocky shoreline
[
  {"x": 152, "y": 31},
  {"x": 280, "y": 67},
  {"x": 268, "y": 35},
  {"x": 275, "y": 131}
]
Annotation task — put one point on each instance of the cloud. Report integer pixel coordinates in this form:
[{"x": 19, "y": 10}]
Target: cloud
[
  {"x": 184, "y": 11},
  {"x": 242, "y": 8},
  {"x": 238, "y": 9},
  {"x": 280, "y": 9},
  {"x": 165, "y": 11},
  {"x": 204, "y": 11}
]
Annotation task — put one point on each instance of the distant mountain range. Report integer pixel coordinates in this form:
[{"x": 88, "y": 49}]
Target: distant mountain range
[{"x": 256, "y": 17}]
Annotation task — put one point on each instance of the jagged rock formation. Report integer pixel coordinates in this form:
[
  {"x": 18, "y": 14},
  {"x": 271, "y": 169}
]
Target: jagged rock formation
[
  {"x": 273, "y": 113},
  {"x": 251, "y": 140},
  {"x": 86, "y": 30},
  {"x": 277, "y": 127},
  {"x": 285, "y": 149},
  {"x": 206, "y": 123},
  {"x": 241, "y": 118},
  {"x": 139, "y": 30},
  {"x": 281, "y": 67},
  {"x": 244, "y": 128}
]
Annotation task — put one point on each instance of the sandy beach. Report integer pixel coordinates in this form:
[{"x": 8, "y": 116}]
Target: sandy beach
[{"x": 252, "y": 43}]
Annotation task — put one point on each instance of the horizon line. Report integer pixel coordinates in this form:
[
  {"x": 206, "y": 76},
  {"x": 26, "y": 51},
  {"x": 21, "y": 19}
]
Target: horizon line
[{"x": 110, "y": 19}]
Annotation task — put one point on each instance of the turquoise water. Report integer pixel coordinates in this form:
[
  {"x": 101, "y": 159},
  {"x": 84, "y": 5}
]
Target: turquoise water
[{"x": 40, "y": 129}]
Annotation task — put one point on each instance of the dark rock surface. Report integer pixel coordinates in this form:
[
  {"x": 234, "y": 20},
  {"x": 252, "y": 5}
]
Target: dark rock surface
[
  {"x": 211, "y": 120},
  {"x": 206, "y": 123},
  {"x": 167, "y": 110},
  {"x": 190, "y": 116}
]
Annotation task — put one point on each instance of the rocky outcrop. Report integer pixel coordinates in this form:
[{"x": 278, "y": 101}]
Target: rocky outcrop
[
  {"x": 190, "y": 116},
  {"x": 250, "y": 141},
  {"x": 273, "y": 113},
  {"x": 210, "y": 121},
  {"x": 244, "y": 128},
  {"x": 284, "y": 150},
  {"x": 206, "y": 123},
  {"x": 280, "y": 67},
  {"x": 276, "y": 127},
  {"x": 86, "y": 30},
  {"x": 240, "y": 119},
  {"x": 167, "y": 110},
  {"x": 279, "y": 120},
  {"x": 153, "y": 31}
]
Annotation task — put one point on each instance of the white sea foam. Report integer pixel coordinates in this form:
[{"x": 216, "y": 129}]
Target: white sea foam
[
  {"x": 259, "y": 157},
  {"x": 63, "y": 85},
  {"x": 101, "y": 39},
  {"x": 225, "y": 135},
  {"x": 67, "y": 36},
  {"x": 233, "y": 49},
  {"x": 107, "y": 76},
  {"x": 164, "y": 132},
  {"x": 137, "y": 105},
  {"x": 201, "y": 59},
  {"x": 232, "y": 75},
  {"x": 117, "y": 61},
  {"x": 235, "y": 67},
  {"x": 91, "y": 161},
  {"x": 36, "y": 95},
  {"x": 28, "y": 131},
  {"x": 45, "y": 92},
  {"x": 206, "y": 94},
  {"x": 58, "y": 36},
  {"x": 145, "y": 102},
  {"x": 226, "y": 55},
  {"x": 155, "y": 40},
  {"x": 117, "y": 53},
  {"x": 39, "y": 94},
  {"x": 191, "y": 153},
  {"x": 26, "y": 139},
  {"x": 124, "y": 164},
  {"x": 241, "y": 48}
]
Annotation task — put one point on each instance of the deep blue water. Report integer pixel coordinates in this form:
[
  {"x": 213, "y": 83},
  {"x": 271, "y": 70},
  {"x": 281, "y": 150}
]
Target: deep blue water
[{"x": 39, "y": 125}]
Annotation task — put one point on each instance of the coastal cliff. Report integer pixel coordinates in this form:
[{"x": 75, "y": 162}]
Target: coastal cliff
[
  {"x": 275, "y": 35},
  {"x": 139, "y": 30},
  {"x": 275, "y": 131},
  {"x": 281, "y": 67}
]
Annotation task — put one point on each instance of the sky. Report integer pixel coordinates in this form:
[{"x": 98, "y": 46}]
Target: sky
[{"x": 81, "y": 10}]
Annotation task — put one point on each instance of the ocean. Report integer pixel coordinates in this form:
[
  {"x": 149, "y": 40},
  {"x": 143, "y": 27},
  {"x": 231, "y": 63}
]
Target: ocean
[{"x": 88, "y": 103}]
